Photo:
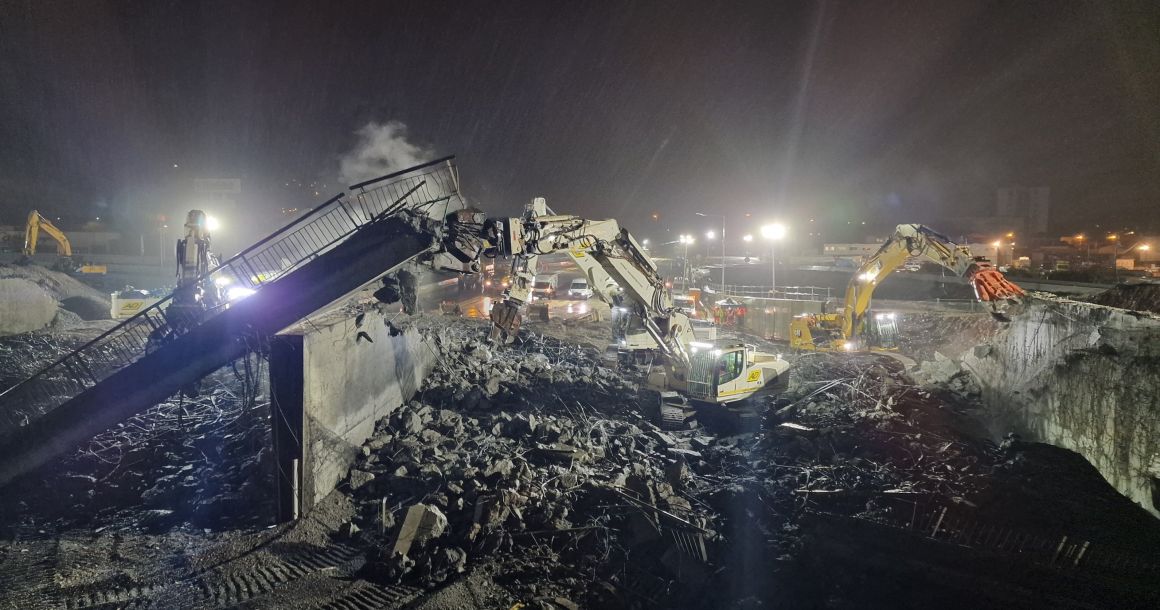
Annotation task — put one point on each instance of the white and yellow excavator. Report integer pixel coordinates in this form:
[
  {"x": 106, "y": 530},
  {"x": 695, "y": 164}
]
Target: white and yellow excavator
[
  {"x": 852, "y": 330},
  {"x": 32, "y": 229},
  {"x": 704, "y": 372},
  {"x": 195, "y": 293}
]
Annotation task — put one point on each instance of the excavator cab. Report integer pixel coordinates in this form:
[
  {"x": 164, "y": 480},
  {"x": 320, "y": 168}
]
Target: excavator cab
[
  {"x": 730, "y": 373},
  {"x": 881, "y": 331}
]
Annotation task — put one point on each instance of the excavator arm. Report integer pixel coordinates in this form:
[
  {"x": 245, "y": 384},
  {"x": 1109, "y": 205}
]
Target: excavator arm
[
  {"x": 603, "y": 250},
  {"x": 37, "y": 223},
  {"x": 913, "y": 240}
]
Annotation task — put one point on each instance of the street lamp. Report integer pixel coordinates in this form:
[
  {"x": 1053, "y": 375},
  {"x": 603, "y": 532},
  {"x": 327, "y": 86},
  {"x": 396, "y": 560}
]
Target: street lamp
[
  {"x": 161, "y": 243},
  {"x": 710, "y": 236},
  {"x": 773, "y": 232},
  {"x": 687, "y": 240}
]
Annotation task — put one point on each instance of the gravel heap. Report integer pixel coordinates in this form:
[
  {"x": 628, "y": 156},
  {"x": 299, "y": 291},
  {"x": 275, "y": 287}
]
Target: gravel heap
[{"x": 1137, "y": 297}]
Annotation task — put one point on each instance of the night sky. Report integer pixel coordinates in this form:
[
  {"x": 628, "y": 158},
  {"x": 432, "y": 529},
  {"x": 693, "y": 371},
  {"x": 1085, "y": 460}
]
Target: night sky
[{"x": 875, "y": 111}]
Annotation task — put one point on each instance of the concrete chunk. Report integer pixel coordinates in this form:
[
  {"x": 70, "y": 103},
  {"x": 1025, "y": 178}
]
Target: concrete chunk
[{"x": 422, "y": 523}]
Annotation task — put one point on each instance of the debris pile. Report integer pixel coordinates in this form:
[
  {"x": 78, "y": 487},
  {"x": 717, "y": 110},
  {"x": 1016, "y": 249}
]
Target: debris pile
[
  {"x": 538, "y": 461},
  {"x": 200, "y": 462},
  {"x": 537, "y": 458},
  {"x": 860, "y": 427},
  {"x": 925, "y": 336}
]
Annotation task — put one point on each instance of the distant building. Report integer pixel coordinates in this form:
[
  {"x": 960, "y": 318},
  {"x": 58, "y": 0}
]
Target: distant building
[
  {"x": 855, "y": 252},
  {"x": 1030, "y": 203}
]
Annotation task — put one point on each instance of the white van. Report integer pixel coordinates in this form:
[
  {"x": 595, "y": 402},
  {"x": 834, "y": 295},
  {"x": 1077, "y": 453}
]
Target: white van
[
  {"x": 579, "y": 289},
  {"x": 545, "y": 287}
]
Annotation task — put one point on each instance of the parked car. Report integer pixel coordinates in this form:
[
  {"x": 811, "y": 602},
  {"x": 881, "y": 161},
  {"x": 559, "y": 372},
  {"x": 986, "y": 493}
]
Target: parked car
[{"x": 579, "y": 289}]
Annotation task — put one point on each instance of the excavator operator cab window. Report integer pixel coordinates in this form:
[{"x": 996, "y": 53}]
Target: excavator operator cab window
[{"x": 729, "y": 366}]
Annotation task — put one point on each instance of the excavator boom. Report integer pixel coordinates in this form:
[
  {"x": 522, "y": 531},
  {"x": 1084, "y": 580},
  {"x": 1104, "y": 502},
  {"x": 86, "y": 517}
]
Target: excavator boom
[
  {"x": 604, "y": 251},
  {"x": 907, "y": 241},
  {"x": 37, "y": 223}
]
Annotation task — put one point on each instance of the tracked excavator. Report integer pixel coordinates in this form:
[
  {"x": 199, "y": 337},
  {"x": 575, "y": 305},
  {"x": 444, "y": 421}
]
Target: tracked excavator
[
  {"x": 32, "y": 228},
  {"x": 195, "y": 293},
  {"x": 703, "y": 372},
  {"x": 853, "y": 329}
]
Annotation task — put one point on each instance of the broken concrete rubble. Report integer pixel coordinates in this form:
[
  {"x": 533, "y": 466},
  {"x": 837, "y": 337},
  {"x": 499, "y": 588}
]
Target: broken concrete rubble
[
  {"x": 422, "y": 524},
  {"x": 557, "y": 485}
]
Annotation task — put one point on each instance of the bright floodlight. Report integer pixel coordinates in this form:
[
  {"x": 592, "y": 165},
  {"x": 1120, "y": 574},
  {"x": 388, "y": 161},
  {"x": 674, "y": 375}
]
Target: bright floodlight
[
  {"x": 996, "y": 243},
  {"x": 212, "y": 223},
  {"x": 1144, "y": 247},
  {"x": 710, "y": 235},
  {"x": 773, "y": 231},
  {"x": 747, "y": 238}
]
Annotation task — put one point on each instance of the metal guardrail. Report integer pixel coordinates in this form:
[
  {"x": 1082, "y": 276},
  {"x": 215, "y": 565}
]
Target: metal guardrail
[
  {"x": 420, "y": 188},
  {"x": 799, "y": 293}
]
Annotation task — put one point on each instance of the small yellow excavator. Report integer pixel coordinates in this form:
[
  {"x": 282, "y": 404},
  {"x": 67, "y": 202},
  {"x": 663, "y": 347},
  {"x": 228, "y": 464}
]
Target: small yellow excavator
[
  {"x": 37, "y": 223},
  {"x": 851, "y": 329}
]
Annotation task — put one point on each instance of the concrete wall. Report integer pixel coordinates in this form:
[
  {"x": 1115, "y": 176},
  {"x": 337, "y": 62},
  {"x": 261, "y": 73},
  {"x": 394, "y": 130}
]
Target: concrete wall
[
  {"x": 351, "y": 375},
  {"x": 1082, "y": 377}
]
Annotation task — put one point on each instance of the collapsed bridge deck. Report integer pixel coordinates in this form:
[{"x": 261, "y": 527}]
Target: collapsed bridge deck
[{"x": 334, "y": 249}]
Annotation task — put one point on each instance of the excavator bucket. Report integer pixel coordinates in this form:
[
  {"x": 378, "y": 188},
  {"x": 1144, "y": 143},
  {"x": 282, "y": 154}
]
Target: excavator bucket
[
  {"x": 998, "y": 292},
  {"x": 505, "y": 322}
]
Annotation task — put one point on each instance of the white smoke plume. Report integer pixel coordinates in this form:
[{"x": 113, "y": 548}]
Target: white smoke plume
[{"x": 382, "y": 148}]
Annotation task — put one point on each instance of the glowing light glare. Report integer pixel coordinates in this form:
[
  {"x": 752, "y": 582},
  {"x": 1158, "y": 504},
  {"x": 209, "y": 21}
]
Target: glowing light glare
[
  {"x": 773, "y": 231},
  {"x": 866, "y": 277},
  {"x": 222, "y": 280},
  {"x": 212, "y": 223},
  {"x": 238, "y": 293},
  {"x": 747, "y": 238},
  {"x": 848, "y": 346},
  {"x": 996, "y": 243},
  {"x": 710, "y": 235},
  {"x": 700, "y": 344},
  {"x": 1144, "y": 247}
]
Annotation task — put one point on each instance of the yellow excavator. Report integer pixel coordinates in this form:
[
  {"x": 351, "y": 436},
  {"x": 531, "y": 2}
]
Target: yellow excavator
[
  {"x": 852, "y": 330},
  {"x": 37, "y": 223}
]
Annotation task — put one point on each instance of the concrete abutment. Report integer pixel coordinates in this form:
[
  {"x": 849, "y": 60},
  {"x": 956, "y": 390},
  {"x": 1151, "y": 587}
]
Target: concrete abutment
[
  {"x": 1083, "y": 377},
  {"x": 330, "y": 381}
]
